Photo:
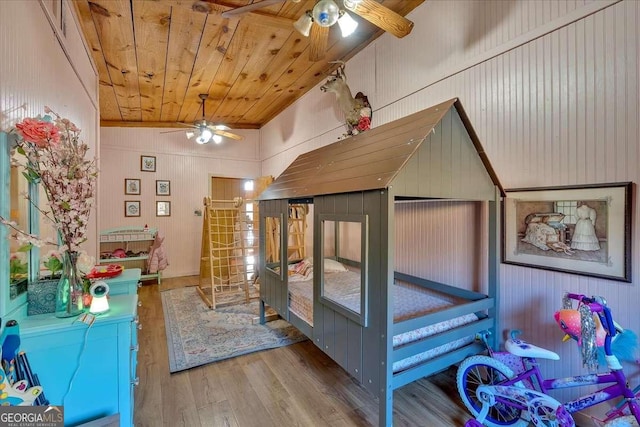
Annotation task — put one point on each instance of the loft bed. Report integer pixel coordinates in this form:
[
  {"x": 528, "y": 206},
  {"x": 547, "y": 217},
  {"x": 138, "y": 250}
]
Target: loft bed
[{"x": 394, "y": 327}]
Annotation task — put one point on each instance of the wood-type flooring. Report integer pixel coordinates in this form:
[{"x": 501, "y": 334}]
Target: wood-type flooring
[{"x": 296, "y": 385}]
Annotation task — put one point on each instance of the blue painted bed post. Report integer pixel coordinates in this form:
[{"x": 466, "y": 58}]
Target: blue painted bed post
[{"x": 495, "y": 207}]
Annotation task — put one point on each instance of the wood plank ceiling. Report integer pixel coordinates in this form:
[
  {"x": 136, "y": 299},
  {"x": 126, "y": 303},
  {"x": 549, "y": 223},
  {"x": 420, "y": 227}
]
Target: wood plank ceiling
[{"x": 154, "y": 57}]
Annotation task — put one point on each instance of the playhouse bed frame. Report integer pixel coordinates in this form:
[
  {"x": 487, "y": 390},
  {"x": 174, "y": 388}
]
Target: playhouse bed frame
[{"x": 433, "y": 154}]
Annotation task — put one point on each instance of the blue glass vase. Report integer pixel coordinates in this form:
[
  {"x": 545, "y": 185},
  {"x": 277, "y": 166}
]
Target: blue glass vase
[{"x": 69, "y": 293}]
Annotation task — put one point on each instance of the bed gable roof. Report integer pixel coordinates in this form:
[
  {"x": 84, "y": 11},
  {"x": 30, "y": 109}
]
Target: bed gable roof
[{"x": 374, "y": 159}]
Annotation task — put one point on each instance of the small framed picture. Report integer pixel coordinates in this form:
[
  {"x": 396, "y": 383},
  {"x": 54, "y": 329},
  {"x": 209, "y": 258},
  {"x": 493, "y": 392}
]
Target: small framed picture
[
  {"x": 147, "y": 163},
  {"x": 163, "y": 208},
  {"x": 163, "y": 188},
  {"x": 131, "y": 186},
  {"x": 132, "y": 208}
]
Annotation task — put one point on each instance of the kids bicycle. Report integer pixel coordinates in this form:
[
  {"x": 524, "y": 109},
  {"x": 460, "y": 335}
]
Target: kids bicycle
[{"x": 508, "y": 389}]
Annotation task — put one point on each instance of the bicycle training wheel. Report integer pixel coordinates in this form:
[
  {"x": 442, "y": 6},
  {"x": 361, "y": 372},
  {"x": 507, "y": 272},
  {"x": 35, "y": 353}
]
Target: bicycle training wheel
[{"x": 483, "y": 370}]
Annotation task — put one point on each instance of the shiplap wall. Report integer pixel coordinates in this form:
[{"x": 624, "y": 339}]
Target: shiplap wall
[
  {"x": 551, "y": 87},
  {"x": 36, "y": 71},
  {"x": 188, "y": 166}
]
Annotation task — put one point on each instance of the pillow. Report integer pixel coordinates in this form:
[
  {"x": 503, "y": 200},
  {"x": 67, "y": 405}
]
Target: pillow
[{"x": 331, "y": 265}]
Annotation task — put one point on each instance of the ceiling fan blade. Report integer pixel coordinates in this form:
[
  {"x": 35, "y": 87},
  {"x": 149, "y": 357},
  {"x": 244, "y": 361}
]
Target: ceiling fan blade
[
  {"x": 178, "y": 130},
  {"x": 318, "y": 40},
  {"x": 383, "y": 17},
  {"x": 248, "y": 8},
  {"x": 228, "y": 134}
]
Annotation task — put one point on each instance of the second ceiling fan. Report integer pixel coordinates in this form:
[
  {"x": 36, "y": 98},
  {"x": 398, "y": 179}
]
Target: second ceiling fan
[
  {"x": 315, "y": 23},
  {"x": 204, "y": 131}
]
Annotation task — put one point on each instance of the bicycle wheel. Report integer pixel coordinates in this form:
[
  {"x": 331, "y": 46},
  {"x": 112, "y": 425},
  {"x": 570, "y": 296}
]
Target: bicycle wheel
[
  {"x": 548, "y": 412},
  {"x": 483, "y": 370}
]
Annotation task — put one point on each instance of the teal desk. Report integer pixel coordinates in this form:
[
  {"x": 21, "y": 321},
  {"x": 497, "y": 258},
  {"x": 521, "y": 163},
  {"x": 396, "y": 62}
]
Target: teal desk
[{"x": 91, "y": 371}]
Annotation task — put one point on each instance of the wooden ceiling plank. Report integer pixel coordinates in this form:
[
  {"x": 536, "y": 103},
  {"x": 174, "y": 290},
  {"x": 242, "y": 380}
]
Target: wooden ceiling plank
[
  {"x": 215, "y": 43},
  {"x": 185, "y": 34},
  {"x": 253, "y": 75},
  {"x": 113, "y": 24},
  {"x": 301, "y": 76},
  {"x": 108, "y": 103},
  {"x": 290, "y": 51},
  {"x": 239, "y": 52},
  {"x": 151, "y": 25}
]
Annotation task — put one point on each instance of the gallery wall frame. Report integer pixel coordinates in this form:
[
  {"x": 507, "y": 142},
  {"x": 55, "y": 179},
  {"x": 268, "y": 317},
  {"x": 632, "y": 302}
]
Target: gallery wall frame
[
  {"x": 132, "y": 208},
  {"x": 131, "y": 186},
  {"x": 163, "y": 187},
  {"x": 163, "y": 208},
  {"x": 148, "y": 163},
  {"x": 582, "y": 230}
]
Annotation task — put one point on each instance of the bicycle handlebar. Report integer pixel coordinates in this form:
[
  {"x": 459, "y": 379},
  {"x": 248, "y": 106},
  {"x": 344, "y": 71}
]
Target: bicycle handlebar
[{"x": 598, "y": 305}]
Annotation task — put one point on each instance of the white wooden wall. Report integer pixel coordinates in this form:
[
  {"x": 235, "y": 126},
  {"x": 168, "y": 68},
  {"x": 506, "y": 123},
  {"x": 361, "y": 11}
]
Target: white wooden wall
[
  {"x": 36, "y": 71},
  {"x": 551, "y": 88},
  {"x": 188, "y": 166}
]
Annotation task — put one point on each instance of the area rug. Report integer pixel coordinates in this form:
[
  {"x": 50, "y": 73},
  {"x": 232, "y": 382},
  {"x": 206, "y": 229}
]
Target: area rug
[{"x": 197, "y": 335}]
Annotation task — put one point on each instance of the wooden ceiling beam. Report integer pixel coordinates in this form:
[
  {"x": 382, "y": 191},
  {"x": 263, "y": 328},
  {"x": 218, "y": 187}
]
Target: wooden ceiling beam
[{"x": 175, "y": 125}]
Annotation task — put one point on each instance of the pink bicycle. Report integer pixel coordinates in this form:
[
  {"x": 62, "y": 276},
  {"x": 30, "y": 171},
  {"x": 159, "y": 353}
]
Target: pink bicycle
[{"x": 508, "y": 389}]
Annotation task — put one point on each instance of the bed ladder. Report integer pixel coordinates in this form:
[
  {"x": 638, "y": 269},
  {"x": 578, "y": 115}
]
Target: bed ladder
[{"x": 229, "y": 243}]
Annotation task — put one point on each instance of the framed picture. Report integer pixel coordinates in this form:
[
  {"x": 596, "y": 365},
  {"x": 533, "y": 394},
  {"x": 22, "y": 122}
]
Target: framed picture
[
  {"x": 163, "y": 208},
  {"x": 132, "y": 208},
  {"x": 574, "y": 229},
  {"x": 163, "y": 188},
  {"x": 147, "y": 163},
  {"x": 131, "y": 186}
]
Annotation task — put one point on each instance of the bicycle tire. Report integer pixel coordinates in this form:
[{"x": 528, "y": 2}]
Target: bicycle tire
[{"x": 475, "y": 371}]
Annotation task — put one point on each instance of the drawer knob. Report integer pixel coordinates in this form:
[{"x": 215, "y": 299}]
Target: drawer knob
[
  {"x": 135, "y": 382},
  {"x": 139, "y": 326},
  {"x": 139, "y": 303}
]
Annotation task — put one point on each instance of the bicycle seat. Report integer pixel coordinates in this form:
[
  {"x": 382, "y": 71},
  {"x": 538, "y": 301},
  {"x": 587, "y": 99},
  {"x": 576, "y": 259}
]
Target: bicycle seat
[{"x": 522, "y": 348}]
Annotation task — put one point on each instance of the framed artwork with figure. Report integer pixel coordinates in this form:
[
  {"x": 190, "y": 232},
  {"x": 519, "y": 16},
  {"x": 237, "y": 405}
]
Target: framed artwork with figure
[
  {"x": 131, "y": 186},
  {"x": 573, "y": 229}
]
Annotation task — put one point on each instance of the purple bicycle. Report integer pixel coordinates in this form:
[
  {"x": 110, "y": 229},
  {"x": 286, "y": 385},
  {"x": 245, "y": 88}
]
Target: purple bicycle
[{"x": 508, "y": 389}]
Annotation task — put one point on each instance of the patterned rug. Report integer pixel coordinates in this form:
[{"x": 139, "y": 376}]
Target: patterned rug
[{"x": 197, "y": 335}]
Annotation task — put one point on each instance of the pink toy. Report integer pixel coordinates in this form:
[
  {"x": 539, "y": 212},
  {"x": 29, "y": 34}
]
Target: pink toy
[{"x": 569, "y": 321}]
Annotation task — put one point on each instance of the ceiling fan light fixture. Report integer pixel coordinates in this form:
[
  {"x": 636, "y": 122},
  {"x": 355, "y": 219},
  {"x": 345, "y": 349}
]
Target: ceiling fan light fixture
[
  {"x": 190, "y": 134},
  {"x": 216, "y": 138},
  {"x": 204, "y": 136},
  {"x": 347, "y": 24},
  {"x": 304, "y": 23},
  {"x": 325, "y": 13}
]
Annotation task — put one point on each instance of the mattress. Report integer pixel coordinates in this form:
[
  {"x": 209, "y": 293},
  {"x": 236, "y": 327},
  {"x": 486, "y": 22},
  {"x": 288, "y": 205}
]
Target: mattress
[{"x": 409, "y": 301}]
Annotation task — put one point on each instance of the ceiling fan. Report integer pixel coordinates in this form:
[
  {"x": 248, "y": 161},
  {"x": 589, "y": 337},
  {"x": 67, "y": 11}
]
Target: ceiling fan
[
  {"x": 315, "y": 23},
  {"x": 204, "y": 131}
]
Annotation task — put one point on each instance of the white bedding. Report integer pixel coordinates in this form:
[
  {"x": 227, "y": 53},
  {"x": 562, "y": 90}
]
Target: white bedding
[{"x": 409, "y": 301}]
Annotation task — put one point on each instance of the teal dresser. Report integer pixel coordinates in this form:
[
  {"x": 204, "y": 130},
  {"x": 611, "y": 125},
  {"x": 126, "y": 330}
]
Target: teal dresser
[
  {"x": 91, "y": 371},
  {"x": 126, "y": 283}
]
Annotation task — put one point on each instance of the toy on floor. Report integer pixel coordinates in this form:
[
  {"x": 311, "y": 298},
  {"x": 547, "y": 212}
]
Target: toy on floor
[
  {"x": 18, "y": 385},
  {"x": 19, "y": 393}
]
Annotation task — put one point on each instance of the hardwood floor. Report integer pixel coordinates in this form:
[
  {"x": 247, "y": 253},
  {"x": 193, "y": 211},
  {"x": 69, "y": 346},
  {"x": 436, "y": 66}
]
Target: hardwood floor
[{"x": 296, "y": 385}]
